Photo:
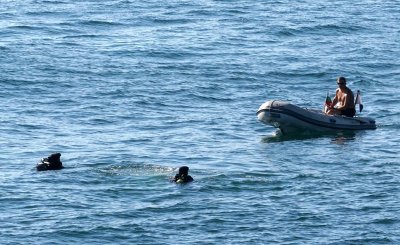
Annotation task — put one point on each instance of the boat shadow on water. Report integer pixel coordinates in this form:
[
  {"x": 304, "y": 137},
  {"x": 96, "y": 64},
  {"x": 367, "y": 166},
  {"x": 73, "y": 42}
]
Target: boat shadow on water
[{"x": 340, "y": 137}]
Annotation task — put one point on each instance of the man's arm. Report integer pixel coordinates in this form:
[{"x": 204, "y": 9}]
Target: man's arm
[{"x": 335, "y": 99}]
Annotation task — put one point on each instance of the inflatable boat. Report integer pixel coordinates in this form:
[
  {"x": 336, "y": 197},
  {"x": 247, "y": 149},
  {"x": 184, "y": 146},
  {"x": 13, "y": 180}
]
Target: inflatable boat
[{"x": 291, "y": 118}]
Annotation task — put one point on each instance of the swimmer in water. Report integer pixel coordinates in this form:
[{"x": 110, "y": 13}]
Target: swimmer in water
[
  {"x": 183, "y": 176},
  {"x": 51, "y": 162}
]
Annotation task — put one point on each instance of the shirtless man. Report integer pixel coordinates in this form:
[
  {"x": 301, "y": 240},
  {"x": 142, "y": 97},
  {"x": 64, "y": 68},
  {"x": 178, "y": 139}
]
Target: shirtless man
[{"x": 343, "y": 103}]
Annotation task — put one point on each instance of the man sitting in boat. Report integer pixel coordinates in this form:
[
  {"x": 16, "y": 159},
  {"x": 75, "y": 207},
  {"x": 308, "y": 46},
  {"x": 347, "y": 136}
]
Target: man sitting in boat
[{"x": 343, "y": 103}]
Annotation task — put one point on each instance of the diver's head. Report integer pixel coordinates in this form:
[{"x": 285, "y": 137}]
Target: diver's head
[{"x": 184, "y": 170}]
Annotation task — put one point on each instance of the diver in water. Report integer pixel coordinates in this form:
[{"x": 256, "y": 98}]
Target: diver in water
[
  {"x": 51, "y": 162},
  {"x": 183, "y": 176}
]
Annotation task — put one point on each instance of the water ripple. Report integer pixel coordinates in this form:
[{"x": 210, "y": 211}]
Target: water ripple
[{"x": 130, "y": 91}]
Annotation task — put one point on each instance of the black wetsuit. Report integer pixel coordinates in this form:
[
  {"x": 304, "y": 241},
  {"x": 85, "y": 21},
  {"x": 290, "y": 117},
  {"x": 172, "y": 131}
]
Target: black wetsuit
[
  {"x": 185, "y": 179},
  {"x": 50, "y": 163}
]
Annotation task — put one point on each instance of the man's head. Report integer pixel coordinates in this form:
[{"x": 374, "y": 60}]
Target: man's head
[
  {"x": 341, "y": 81},
  {"x": 184, "y": 170},
  {"x": 54, "y": 158}
]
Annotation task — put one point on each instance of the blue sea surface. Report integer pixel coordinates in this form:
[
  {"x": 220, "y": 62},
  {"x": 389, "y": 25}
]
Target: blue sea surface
[{"x": 128, "y": 91}]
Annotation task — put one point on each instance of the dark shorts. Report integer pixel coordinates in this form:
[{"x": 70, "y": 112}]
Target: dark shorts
[{"x": 348, "y": 112}]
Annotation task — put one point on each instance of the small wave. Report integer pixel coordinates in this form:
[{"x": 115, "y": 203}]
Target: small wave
[
  {"x": 45, "y": 13},
  {"x": 386, "y": 221},
  {"x": 25, "y": 27},
  {"x": 326, "y": 29},
  {"x": 103, "y": 23},
  {"x": 171, "y": 21},
  {"x": 137, "y": 169},
  {"x": 302, "y": 176},
  {"x": 15, "y": 82},
  {"x": 88, "y": 36},
  {"x": 364, "y": 239},
  {"x": 50, "y": 2},
  {"x": 201, "y": 12},
  {"x": 336, "y": 137}
]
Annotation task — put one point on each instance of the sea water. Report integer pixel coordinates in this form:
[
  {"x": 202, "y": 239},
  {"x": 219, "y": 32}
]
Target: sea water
[{"x": 128, "y": 91}]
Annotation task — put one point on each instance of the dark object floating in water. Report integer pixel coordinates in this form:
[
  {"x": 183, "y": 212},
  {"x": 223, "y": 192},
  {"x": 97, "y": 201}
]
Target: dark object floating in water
[
  {"x": 183, "y": 176},
  {"x": 51, "y": 162}
]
